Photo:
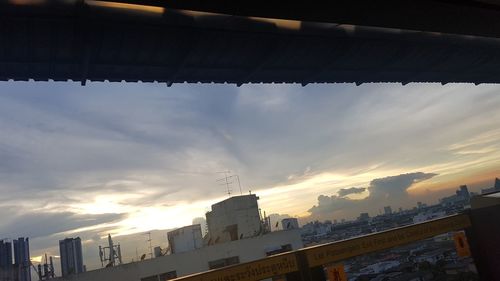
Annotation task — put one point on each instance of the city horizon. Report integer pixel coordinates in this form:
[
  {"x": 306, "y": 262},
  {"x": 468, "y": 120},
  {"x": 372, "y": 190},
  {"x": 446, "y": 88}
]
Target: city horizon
[
  {"x": 130, "y": 158},
  {"x": 138, "y": 238}
]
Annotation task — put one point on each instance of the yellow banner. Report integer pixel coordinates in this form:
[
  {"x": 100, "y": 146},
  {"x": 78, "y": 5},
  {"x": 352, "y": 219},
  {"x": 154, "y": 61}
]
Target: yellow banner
[
  {"x": 337, "y": 251},
  {"x": 256, "y": 270},
  {"x": 333, "y": 252}
]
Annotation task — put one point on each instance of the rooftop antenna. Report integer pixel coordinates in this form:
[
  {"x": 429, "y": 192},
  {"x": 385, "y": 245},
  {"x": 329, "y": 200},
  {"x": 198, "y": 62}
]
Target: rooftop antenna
[
  {"x": 114, "y": 253},
  {"x": 111, "y": 250},
  {"x": 225, "y": 181},
  {"x": 239, "y": 183},
  {"x": 150, "y": 246}
]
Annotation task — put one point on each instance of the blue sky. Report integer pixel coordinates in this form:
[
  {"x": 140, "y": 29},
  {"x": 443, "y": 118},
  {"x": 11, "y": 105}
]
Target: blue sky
[{"x": 125, "y": 158}]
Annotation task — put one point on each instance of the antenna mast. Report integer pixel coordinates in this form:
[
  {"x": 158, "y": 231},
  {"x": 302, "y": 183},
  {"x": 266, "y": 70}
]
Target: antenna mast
[
  {"x": 225, "y": 181},
  {"x": 150, "y": 246},
  {"x": 114, "y": 254},
  {"x": 239, "y": 183}
]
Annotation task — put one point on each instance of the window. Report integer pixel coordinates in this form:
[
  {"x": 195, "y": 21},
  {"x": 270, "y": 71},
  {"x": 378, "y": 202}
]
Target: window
[
  {"x": 168, "y": 275},
  {"x": 223, "y": 262},
  {"x": 150, "y": 278},
  {"x": 283, "y": 249},
  {"x": 162, "y": 277}
]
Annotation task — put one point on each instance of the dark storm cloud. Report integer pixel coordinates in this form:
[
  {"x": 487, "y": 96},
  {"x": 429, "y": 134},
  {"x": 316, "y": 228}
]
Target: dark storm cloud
[
  {"x": 353, "y": 190},
  {"x": 383, "y": 192}
]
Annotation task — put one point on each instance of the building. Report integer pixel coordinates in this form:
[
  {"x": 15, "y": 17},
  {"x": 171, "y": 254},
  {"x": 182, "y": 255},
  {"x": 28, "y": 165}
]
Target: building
[
  {"x": 432, "y": 257},
  {"x": 364, "y": 217},
  {"x": 199, "y": 260},
  {"x": 387, "y": 210},
  {"x": 460, "y": 198},
  {"x": 422, "y": 217},
  {"x": 190, "y": 254},
  {"x": 234, "y": 218},
  {"x": 70, "y": 250},
  {"x": 290, "y": 223},
  {"x": 22, "y": 263},
  {"x": 379, "y": 267},
  {"x": 6, "y": 268},
  {"x": 185, "y": 239},
  {"x": 5, "y": 255},
  {"x": 463, "y": 192},
  {"x": 495, "y": 188}
]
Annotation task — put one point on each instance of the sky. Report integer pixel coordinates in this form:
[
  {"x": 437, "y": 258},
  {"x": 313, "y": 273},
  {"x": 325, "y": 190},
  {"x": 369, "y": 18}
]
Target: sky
[{"x": 127, "y": 158}]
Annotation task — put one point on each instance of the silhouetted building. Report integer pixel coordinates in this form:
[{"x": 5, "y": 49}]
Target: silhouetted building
[
  {"x": 363, "y": 216},
  {"x": 22, "y": 263},
  {"x": 6, "y": 267},
  {"x": 387, "y": 210},
  {"x": 71, "y": 256},
  {"x": 495, "y": 188},
  {"x": 463, "y": 192},
  {"x": 460, "y": 198},
  {"x": 5, "y": 255}
]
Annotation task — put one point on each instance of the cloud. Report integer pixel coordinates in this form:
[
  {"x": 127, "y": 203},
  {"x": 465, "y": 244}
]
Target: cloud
[
  {"x": 327, "y": 205},
  {"x": 152, "y": 152},
  {"x": 394, "y": 188},
  {"x": 383, "y": 191},
  {"x": 353, "y": 190},
  {"x": 39, "y": 224}
]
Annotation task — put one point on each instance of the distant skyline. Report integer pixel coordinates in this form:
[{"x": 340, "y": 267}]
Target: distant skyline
[{"x": 127, "y": 158}]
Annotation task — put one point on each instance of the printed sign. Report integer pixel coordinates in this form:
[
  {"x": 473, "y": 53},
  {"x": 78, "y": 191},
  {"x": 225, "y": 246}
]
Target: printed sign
[
  {"x": 337, "y": 251},
  {"x": 336, "y": 272},
  {"x": 461, "y": 244},
  {"x": 257, "y": 270}
]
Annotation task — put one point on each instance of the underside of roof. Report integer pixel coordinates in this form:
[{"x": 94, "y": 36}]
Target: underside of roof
[{"x": 99, "y": 41}]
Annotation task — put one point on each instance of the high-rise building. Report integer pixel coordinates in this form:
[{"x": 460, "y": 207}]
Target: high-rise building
[
  {"x": 6, "y": 268},
  {"x": 22, "y": 263},
  {"x": 5, "y": 255},
  {"x": 71, "y": 256},
  {"x": 387, "y": 210}
]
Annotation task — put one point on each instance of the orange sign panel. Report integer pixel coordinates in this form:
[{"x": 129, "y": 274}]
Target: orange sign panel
[
  {"x": 336, "y": 272},
  {"x": 461, "y": 244}
]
